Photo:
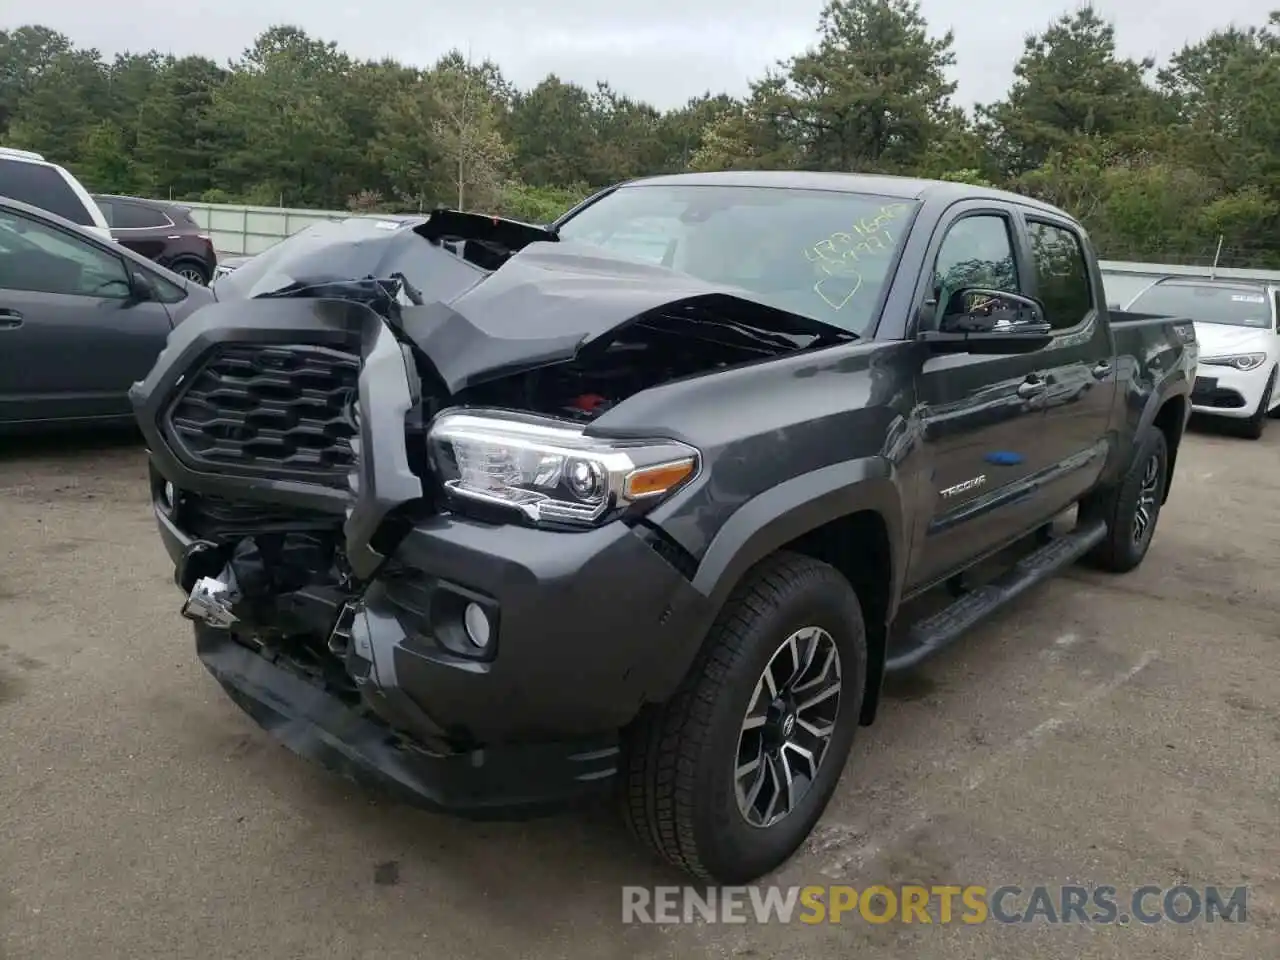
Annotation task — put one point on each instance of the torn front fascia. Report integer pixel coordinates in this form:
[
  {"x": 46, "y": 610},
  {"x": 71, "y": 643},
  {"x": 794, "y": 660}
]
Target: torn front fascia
[
  {"x": 213, "y": 599},
  {"x": 270, "y": 583}
]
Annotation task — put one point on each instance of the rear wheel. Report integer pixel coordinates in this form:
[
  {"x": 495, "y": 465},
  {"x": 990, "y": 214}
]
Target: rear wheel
[
  {"x": 193, "y": 271},
  {"x": 728, "y": 778},
  {"x": 1132, "y": 508}
]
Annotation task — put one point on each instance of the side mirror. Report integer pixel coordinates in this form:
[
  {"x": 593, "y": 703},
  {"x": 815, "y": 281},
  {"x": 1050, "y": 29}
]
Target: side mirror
[
  {"x": 979, "y": 320},
  {"x": 140, "y": 289}
]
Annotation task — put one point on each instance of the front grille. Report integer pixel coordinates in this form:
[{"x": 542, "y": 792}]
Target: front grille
[{"x": 276, "y": 411}]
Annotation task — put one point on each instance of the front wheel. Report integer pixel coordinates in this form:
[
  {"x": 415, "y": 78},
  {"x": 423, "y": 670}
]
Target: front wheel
[
  {"x": 1256, "y": 424},
  {"x": 728, "y": 778}
]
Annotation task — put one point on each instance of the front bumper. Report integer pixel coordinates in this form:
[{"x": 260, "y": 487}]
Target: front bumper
[
  {"x": 481, "y": 783},
  {"x": 1227, "y": 392},
  {"x": 577, "y": 652},
  {"x": 586, "y": 627}
]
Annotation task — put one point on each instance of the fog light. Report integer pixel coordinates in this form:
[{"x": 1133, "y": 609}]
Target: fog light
[
  {"x": 477, "y": 624},
  {"x": 168, "y": 496}
]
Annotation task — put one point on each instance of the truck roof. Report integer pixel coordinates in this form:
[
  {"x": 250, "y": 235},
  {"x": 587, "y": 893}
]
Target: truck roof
[{"x": 906, "y": 188}]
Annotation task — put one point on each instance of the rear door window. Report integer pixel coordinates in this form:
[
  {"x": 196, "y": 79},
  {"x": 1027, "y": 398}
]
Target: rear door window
[
  {"x": 182, "y": 217},
  {"x": 42, "y": 186},
  {"x": 1062, "y": 275},
  {"x": 135, "y": 216}
]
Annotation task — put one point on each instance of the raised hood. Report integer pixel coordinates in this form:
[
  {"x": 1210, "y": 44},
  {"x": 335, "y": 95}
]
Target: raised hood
[{"x": 499, "y": 296}]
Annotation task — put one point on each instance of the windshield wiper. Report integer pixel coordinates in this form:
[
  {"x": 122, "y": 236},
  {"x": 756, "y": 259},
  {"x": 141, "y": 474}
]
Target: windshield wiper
[
  {"x": 821, "y": 338},
  {"x": 798, "y": 341}
]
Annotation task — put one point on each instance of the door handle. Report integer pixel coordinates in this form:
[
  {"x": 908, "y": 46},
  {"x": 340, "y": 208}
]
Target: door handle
[
  {"x": 1033, "y": 386},
  {"x": 9, "y": 319},
  {"x": 1102, "y": 370}
]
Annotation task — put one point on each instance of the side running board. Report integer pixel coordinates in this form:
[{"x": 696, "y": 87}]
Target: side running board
[{"x": 947, "y": 625}]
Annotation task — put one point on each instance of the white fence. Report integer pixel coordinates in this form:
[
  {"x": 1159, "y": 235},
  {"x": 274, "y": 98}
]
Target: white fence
[{"x": 237, "y": 229}]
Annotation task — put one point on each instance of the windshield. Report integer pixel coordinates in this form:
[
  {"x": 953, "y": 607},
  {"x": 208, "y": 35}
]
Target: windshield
[
  {"x": 817, "y": 253},
  {"x": 1238, "y": 305}
]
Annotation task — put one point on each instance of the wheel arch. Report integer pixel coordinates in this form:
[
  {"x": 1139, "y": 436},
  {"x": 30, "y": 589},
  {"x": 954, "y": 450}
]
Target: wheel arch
[
  {"x": 1170, "y": 419},
  {"x": 848, "y": 515}
]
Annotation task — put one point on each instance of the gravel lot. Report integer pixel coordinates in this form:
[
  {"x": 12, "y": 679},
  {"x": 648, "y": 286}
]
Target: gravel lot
[{"x": 1114, "y": 730}]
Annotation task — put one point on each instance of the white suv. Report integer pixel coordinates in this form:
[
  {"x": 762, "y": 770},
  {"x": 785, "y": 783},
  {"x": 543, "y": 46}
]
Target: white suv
[
  {"x": 29, "y": 177},
  {"x": 1238, "y": 329}
]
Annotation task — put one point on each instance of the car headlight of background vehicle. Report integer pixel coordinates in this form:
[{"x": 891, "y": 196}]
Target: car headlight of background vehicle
[
  {"x": 549, "y": 471},
  {"x": 1241, "y": 361}
]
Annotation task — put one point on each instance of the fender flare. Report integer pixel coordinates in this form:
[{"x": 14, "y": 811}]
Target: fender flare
[
  {"x": 782, "y": 513},
  {"x": 1176, "y": 385},
  {"x": 775, "y": 518},
  {"x": 1164, "y": 391}
]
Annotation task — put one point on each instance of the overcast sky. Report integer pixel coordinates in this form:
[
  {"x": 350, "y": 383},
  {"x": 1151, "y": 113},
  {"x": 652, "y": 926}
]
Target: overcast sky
[{"x": 663, "y": 51}]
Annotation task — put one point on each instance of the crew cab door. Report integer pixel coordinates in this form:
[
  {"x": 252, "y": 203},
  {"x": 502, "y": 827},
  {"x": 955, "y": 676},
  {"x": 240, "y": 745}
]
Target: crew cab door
[
  {"x": 72, "y": 337},
  {"x": 1081, "y": 382},
  {"x": 982, "y": 416}
]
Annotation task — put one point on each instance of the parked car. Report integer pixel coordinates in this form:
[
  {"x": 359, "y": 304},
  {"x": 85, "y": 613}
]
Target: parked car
[
  {"x": 1238, "y": 328},
  {"x": 81, "y": 318},
  {"x": 163, "y": 232},
  {"x": 29, "y": 177},
  {"x": 227, "y": 264},
  {"x": 494, "y": 515}
]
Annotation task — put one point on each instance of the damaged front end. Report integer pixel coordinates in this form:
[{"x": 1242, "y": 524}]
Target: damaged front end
[{"x": 366, "y": 578}]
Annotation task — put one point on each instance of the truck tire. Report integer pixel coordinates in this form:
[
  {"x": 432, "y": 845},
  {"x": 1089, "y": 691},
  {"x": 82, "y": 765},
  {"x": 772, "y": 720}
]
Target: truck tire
[
  {"x": 1253, "y": 427},
  {"x": 1132, "y": 508},
  {"x": 746, "y": 713}
]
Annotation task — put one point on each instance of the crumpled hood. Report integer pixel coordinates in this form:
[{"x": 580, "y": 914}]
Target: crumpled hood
[
  {"x": 552, "y": 299},
  {"x": 351, "y": 249},
  {"x": 499, "y": 296}
]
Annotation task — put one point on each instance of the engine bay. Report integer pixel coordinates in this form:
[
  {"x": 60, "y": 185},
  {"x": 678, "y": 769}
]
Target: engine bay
[{"x": 656, "y": 349}]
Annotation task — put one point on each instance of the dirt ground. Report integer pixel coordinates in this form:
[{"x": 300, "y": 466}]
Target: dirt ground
[{"x": 1110, "y": 730}]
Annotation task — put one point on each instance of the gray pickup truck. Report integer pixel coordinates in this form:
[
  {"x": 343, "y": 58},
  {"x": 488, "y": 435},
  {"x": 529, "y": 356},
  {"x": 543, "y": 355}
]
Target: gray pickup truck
[{"x": 497, "y": 515}]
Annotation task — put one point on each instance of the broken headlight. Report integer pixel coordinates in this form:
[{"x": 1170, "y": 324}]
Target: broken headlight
[{"x": 548, "y": 470}]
